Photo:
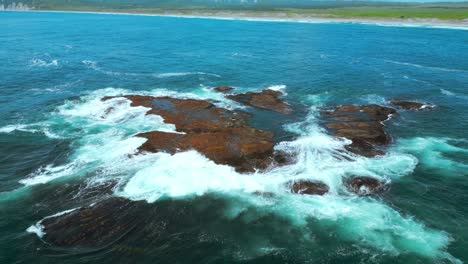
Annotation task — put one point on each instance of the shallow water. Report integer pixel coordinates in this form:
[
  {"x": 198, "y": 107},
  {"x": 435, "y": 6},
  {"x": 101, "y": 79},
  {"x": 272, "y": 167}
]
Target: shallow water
[{"x": 57, "y": 139}]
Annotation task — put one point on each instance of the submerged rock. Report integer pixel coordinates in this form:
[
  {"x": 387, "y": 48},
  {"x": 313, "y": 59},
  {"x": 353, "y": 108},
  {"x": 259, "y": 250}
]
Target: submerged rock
[
  {"x": 91, "y": 226},
  {"x": 308, "y": 187},
  {"x": 223, "y": 89},
  {"x": 266, "y": 99},
  {"x": 221, "y": 135},
  {"x": 410, "y": 105},
  {"x": 363, "y": 125},
  {"x": 365, "y": 185}
]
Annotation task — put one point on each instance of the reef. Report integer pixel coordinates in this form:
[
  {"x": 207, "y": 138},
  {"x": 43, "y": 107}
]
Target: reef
[
  {"x": 225, "y": 137},
  {"x": 266, "y": 99},
  {"x": 410, "y": 105},
  {"x": 363, "y": 125}
]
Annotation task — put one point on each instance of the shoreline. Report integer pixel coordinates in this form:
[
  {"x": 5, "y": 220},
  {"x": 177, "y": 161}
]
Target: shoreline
[{"x": 282, "y": 17}]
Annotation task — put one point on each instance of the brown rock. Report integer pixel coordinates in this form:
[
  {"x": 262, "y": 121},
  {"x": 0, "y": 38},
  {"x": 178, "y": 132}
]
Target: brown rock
[
  {"x": 223, "y": 89},
  {"x": 220, "y": 134},
  {"x": 363, "y": 125},
  {"x": 365, "y": 185},
  {"x": 243, "y": 148},
  {"x": 308, "y": 187},
  {"x": 266, "y": 99},
  {"x": 410, "y": 105},
  {"x": 92, "y": 226},
  {"x": 189, "y": 115}
]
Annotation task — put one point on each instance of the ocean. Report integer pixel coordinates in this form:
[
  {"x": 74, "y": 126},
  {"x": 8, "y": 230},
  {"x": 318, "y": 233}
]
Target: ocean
[{"x": 59, "y": 141}]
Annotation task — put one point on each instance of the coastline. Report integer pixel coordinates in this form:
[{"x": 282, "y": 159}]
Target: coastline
[{"x": 282, "y": 17}]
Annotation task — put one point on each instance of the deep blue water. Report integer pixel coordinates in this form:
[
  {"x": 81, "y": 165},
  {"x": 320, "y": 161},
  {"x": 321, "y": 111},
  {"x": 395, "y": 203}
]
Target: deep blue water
[{"x": 55, "y": 67}]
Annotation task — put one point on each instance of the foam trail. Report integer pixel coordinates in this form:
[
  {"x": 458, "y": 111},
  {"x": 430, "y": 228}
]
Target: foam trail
[
  {"x": 20, "y": 127},
  {"x": 94, "y": 65},
  {"x": 38, "y": 228},
  {"x": 452, "y": 94},
  {"x": 178, "y": 74},
  {"x": 426, "y": 67}
]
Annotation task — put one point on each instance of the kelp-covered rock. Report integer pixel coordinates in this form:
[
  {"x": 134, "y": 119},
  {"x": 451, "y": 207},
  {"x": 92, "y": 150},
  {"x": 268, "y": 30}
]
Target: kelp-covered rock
[
  {"x": 94, "y": 225},
  {"x": 222, "y": 135},
  {"x": 308, "y": 187},
  {"x": 365, "y": 185},
  {"x": 410, "y": 105},
  {"x": 363, "y": 125},
  {"x": 266, "y": 99}
]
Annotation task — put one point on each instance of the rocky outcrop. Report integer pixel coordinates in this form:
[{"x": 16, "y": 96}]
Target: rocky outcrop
[
  {"x": 365, "y": 185},
  {"x": 223, "y": 89},
  {"x": 410, "y": 105},
  {"x": 94, "y": 225},
  {"x": 221, "y": 135},
  {"x": 308, "y": 187},
  {"x": 363, "y": 125},
  {"x": 266, "y": 99},
  {"x": 245, "y": 149}
]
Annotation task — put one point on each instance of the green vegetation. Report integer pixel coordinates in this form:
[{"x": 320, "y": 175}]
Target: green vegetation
[
  {"x": 303, "y": 8},
  {"x": 389, "y": 12}
]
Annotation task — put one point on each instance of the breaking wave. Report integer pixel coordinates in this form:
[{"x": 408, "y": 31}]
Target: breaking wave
[{"x": 432, "y": 153}]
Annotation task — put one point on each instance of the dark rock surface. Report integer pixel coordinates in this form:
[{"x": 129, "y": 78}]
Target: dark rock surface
[
  {"x": 308, "y": 187},
  {"x": 94, "y": 225},
  {"x": 266, "y": 99},
  {"x": 365, "y": 185},
  {"x": 410, "y": 105},
  {"x": 223, "y": 89},
  {"x": 363, "y": 125}
]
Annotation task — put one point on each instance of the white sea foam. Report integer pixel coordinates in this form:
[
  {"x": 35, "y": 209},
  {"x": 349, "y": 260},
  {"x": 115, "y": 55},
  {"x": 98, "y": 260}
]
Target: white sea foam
[
  {"x": 178, "y": 74},
  {"x": 49, "y": 173},
  {"x": 279, "y": 88},
  {"x": 30, "y": 128},
  {"x": 20, "y": 127},
  {"x": 43, "y": 63},
  {"x": 431, "y": 153}
]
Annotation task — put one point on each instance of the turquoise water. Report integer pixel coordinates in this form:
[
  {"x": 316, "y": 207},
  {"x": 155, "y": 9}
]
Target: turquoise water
[{"x": 55, "y": 142}]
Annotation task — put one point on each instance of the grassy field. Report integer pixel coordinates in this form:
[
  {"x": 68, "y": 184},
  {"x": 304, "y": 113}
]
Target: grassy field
[{"x": 390, "y": 12}]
